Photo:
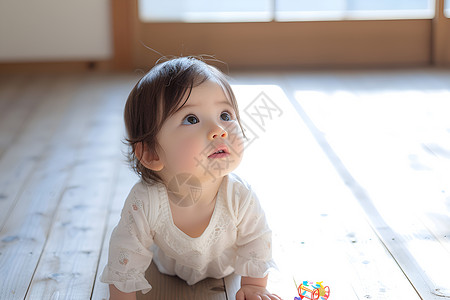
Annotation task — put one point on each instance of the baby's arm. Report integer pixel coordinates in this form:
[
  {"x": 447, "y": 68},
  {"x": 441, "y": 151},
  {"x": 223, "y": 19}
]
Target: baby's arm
[
  {"x": 129, "y": 249},
  {"x": 254, "y": 288},
  {"x": 254, "y": 250},
  {"x": 116, "y": 294}
]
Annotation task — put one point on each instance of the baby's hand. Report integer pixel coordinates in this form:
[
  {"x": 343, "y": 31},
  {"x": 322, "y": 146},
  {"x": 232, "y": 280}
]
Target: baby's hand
[{"x": 255, "y": 292}]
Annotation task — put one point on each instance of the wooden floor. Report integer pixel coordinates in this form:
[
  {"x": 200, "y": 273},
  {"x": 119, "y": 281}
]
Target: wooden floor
[{"x": 352, "y": 168}]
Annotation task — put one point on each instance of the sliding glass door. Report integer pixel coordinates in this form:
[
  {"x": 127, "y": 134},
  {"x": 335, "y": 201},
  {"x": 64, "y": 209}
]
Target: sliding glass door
[{"x": 289, "y": 34}]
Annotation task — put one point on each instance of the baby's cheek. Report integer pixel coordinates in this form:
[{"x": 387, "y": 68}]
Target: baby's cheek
[
  {"x": 238, "y": 145},
  {"x": 236, "y": 140},
  {"x": 186, "y": 154}
]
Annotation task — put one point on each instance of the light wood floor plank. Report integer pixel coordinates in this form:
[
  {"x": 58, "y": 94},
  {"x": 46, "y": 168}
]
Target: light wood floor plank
[
  {"x": 232, "y": 285},
  {"x": 11, "y": 88},
  {"x": 67, "y": 267},
  {"x": 126, "y": 179},
  {"x": 25, "y": 232},
  {"x": 302, "y": 223},
  {"x": 166, "y": 287},
  {"x": 375, "y": 125},
  {"x": 32, "y": 143},
  {"x": 18, "y": 102},
  {"x": 315, "y": 237}
]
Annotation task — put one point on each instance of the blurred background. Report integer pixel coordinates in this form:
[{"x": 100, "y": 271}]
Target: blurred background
[{"x": 116, "y": 35}]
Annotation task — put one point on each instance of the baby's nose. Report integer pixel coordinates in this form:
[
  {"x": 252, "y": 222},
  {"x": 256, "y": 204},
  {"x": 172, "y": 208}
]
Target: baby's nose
[{"x": 217, "y": 132}]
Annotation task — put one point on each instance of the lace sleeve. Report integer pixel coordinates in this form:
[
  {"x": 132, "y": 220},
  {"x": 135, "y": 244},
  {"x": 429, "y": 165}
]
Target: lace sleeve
[
  {"x": 254, "y": 240},
  {"x": 129, "y": 254}
]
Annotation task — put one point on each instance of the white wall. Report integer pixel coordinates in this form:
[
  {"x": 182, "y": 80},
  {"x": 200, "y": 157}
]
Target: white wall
[{"x": 54, "y": 30}]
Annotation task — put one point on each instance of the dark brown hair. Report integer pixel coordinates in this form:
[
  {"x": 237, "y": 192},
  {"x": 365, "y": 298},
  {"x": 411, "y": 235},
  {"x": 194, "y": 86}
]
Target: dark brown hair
[{"x": 157, "y": 96}]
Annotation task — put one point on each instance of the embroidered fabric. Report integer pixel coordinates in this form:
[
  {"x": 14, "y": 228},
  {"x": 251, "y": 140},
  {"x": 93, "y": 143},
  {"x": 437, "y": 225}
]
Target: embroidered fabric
[
  {"x": 182, "y": 244},
  {"x": 236, "y": 239},
  {"x": 127, "y": 282},
  {"x": 253, "y": 268}
]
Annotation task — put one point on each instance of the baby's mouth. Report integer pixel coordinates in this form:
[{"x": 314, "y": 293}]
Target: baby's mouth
[{"x": 220, "y": 152}]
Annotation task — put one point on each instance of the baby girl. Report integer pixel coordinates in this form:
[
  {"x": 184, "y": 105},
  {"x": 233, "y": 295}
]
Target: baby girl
[{"x": 188, "y": 212}]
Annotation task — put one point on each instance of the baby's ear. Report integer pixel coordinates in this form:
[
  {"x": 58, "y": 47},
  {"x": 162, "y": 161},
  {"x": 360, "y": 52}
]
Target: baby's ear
[{"x": 148, "y": 159}]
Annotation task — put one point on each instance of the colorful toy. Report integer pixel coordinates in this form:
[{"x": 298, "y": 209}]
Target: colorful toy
[{"x": 311, "y": 290}]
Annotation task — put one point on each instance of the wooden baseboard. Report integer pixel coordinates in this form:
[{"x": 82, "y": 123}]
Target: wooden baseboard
[{"x": 54, "y": 67}]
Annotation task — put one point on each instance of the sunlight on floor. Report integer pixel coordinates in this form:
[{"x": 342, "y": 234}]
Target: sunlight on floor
[
  {"x": 395, "y": 143},
  {"x": 298, "y": 188},
  {"x": 397, "y": 139}
]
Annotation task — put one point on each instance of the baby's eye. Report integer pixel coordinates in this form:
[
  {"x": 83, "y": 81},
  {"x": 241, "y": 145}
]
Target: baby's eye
[
  {"x": 226, "y": 116},
  {"x": 190, "y": 120}
]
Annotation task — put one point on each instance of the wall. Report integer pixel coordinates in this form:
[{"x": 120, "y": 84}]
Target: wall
[{"x": 55, "y": 30}]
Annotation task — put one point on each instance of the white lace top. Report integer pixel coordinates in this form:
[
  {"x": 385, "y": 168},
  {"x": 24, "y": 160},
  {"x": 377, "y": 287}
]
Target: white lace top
[{"x": 237, "y": 239}]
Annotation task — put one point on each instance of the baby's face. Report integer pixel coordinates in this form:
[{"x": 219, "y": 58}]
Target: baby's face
[{"x": 203, "y": 138}]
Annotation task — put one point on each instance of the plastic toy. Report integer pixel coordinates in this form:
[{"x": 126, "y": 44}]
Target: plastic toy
[{"x": 313, "y": 291}]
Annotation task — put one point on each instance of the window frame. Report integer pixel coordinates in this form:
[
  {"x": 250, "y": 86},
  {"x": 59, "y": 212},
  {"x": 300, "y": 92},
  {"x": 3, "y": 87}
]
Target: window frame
[{"x": 264, "y": 45}]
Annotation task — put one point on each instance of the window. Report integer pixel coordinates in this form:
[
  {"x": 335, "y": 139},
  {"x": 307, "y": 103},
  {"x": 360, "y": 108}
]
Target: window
[
  {"x": 447, "y": 8},
  {"x": 282, "y": 10},
  {"x": 205, "y": 10},
  {"x": 288, "y": 10}
]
